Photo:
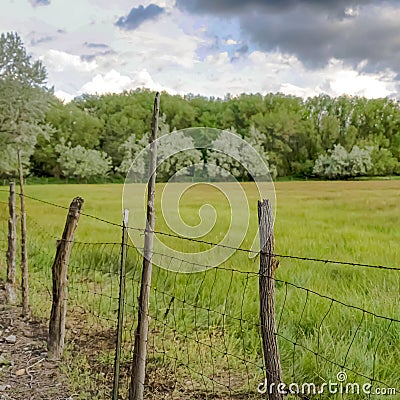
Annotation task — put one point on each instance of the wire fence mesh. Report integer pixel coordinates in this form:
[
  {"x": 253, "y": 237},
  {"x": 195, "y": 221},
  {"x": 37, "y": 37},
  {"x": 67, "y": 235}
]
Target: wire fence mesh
[{"x": 205, "y": 339}]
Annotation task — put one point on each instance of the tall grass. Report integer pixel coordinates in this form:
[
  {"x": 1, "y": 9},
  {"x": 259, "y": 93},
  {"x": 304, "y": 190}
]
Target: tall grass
[{"x": 211, "y": 325}]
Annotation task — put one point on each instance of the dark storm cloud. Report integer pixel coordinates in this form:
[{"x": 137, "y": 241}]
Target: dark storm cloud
[
  {"x": 36, "y": 3},
  {"x": 316, "y": 31},
  {"x": 139, "y": 15},
  {"x": 240, "y": 52},
  {"x": 240, "y": 6},
  {"x": 243, "y": 49}
]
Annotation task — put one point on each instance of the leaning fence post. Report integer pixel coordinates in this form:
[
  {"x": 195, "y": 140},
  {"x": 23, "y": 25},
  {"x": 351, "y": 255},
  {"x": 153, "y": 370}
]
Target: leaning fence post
[
  {"x": 121, "y": 303},
  {"x": 136, "y": 390},
  {"x": 268, "y": 265},
  {"x": 24, "y": 244},
  {"x": 56, "y": 338},
  {"x": 11, "y": 294}
]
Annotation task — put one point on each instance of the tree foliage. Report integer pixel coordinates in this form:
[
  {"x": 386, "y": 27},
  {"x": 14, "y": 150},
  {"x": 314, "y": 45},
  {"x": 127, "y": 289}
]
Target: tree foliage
[
  {"x": 340, "y": 164},
  {"x": 238, "y": 159},
  {"x": 24, "y": 101},
  {"x": 291, "y": 133},
  {"x": 79, "y": 162}
]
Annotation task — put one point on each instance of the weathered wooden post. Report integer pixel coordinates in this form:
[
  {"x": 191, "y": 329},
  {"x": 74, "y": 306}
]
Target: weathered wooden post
[
  {"x": 56, "y": 338},
  {"x": 121, "y": 302},
  {"x": 11, "y": 294},
  {"x": 24, "y": 245},
  {"x": 136, "y": 389},
  {"x": 268, "y": 265}
]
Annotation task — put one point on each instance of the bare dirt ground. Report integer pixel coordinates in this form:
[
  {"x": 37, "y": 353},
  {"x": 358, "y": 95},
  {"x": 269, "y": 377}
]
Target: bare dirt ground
[{"x": 25, "y": 372}]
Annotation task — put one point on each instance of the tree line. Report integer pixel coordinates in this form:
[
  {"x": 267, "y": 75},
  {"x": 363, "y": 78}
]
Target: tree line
[{"x": 98, "y": 135}]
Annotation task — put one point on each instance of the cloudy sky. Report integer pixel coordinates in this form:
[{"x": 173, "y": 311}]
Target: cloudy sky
[{"x": 213, "y": 47}]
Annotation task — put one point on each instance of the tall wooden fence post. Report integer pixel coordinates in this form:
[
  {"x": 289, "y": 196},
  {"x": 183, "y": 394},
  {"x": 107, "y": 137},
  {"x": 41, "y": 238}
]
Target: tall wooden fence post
[
  {"x": 121, "y": 303},
  {"x": 24, "y": 245},
  {"x": 56, "y": 338},
  {"x": 11, "y": 294},
  {"x": 136, "y": 390},
  {"x": 268, "y": 265}
]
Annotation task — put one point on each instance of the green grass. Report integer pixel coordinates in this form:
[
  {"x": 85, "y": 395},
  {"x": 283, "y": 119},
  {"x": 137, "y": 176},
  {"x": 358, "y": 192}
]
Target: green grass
[{"x": 350, "y": 221}]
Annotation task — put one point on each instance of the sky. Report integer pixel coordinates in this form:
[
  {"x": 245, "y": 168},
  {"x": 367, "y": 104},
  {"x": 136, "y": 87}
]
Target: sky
[{"x": 213, "y": 47}]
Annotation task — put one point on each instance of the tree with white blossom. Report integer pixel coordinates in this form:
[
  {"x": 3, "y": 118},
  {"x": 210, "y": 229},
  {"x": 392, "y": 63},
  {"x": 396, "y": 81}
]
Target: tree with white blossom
[
  {"x": 79, "y": 162},
  {"x": 339, "y": 163}
]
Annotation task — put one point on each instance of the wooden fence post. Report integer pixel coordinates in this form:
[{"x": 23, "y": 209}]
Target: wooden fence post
[
  {"x": 268, "y": 265},
  {"x": 11, "y": 294},
  {"x": 121, "y": 303},
  {"x": 136, "y": 389},
  {"x": 24, "y": 245},
  {"x": 56, "y": 338}
]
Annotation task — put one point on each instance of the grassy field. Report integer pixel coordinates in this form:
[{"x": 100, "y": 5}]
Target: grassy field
[{"x": 207, "y": 337}]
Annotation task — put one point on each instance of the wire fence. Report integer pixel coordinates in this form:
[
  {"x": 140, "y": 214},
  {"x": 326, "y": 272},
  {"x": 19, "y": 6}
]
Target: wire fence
[{"x": 205, "y": 331}]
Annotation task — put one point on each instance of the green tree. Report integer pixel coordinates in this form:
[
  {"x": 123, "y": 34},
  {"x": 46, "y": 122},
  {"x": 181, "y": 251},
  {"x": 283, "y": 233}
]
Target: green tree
[
  {"x": 383, "y": 162},
  {"x": 291, "y": 130},
  {"x": 340, "y": 164},
  {"x": 237, "y": 159},
  {"x": 122, "y": 115},
  {"x": 24, "y": 100},
  {"x": 181, "y": 160},
  {"x": 82, "y": 163},
  {"x": 130, "y": 150},
  {"x": 73, "y": 125}
]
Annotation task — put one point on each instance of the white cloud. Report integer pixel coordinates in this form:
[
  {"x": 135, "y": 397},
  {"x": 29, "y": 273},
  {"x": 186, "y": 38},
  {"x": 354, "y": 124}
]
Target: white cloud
[
  {"x": 157, "y": 46},
  {"x": 60, "y": 61},
  {"x": 217, "y": 75},
  {"x": 64, "y": 96},
  {"x": 230, "y": 42},
  {"x": 114, "y": 82},
  {"x": 178, "y": 54},
  {"x": 351, "y": 82},
  {"x": 352, "y": 11},
  {"x": 288, "y": 88},
  {"x": 218, "y": 59},
  {"x": 272, "y": 72}
]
